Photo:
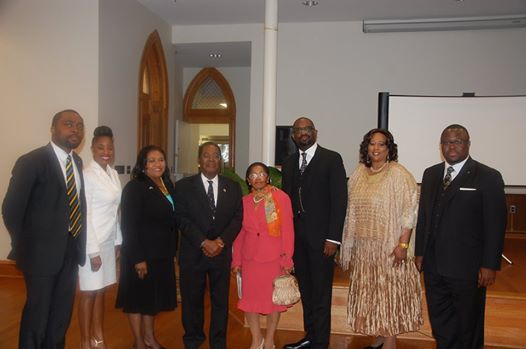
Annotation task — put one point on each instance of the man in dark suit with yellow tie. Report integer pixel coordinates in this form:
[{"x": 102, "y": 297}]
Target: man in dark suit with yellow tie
[
  {"x": 459, "y": 240},
  {"x": 209, "y": 212},
  {"x": 314, "y": 178},
  {"x": 44, "y": 211}
]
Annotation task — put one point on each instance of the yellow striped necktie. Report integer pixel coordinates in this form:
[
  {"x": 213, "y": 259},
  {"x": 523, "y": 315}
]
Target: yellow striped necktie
[{"x": 75, "y": 223}]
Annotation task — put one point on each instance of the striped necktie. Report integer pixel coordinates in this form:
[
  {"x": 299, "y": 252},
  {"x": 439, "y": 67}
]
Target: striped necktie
[
  {"x": 75, "y": 223},
  {"x": 303, "y": 162},
  {"x": 447, "y": 178}
]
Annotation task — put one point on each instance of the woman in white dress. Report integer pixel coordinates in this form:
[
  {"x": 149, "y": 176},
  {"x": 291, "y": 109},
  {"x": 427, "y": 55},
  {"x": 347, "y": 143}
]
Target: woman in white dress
[{"x": 103, "y": 195}]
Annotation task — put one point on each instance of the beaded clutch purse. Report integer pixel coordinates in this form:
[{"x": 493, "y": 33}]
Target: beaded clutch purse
[{"x": 286, "y": 290}]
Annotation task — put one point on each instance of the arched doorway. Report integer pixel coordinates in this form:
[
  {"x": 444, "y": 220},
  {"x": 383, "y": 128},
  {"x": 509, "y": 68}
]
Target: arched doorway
[
  {"x": 210, "y": 106},
  {"x": 153, "y": 95}
]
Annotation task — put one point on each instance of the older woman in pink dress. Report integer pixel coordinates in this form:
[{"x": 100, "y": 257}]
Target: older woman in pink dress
[{"x": 262, "y": 251}]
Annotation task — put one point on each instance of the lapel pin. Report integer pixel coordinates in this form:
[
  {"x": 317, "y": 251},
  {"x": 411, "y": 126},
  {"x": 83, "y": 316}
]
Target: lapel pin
[{"x": 150, "y": 188}]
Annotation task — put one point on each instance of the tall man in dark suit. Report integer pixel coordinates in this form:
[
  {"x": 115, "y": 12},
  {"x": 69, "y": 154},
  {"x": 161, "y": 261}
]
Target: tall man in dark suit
[
  {"x": 209, "y": 211},
  {"x": 44, "y": 211},
  {"x": 459, "y": 239},
  {"x": 314, "y": 178}
]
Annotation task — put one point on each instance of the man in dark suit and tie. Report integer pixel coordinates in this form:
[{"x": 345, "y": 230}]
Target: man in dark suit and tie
[
  {"x": 314, "y": 178},
  {"x": 44, "y": 211},
  {"x": 459, "y": 240},
  {"x": 209, "y": 211}
]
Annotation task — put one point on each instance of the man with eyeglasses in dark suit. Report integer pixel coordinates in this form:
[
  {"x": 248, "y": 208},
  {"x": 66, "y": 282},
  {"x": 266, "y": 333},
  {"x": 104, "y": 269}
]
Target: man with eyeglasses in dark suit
[{"x": 314, "y": 178}]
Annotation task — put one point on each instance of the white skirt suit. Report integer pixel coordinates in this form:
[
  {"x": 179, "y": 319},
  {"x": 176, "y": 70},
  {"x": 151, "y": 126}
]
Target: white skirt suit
[{"x": 103, "y": 197}]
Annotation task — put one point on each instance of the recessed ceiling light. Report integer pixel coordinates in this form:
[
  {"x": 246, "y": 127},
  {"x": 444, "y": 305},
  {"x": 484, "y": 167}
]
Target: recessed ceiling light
[
  {"x": 310, "y": 3},
  {"x": 215, "y": 55}
]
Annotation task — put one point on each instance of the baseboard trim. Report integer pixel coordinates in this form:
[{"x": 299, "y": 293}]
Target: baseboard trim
[{"x": 8, "y": 269}]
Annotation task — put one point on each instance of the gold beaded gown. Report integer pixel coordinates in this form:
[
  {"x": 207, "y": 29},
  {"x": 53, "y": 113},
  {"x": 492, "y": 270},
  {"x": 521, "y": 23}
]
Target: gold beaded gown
[{"x": 384, "y": 300}]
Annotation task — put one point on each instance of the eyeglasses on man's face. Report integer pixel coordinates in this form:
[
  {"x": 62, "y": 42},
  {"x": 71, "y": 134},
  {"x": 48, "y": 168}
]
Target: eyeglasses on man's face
[
  {"x": 306, "y": 129},
  {"x": 455, "y": 142}
]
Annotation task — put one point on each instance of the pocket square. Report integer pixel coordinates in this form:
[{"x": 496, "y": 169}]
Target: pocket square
[{"x": 468, "y": 189}]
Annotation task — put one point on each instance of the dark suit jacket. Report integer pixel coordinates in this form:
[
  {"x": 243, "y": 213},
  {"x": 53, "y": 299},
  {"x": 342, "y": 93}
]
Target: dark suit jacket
[
  {"x": 195, "y": 217},
  {"x": 469, "y": 227},
  {"x": 324, "y": 195},
  {"x": 35, "y": 212},
  {"x": 147, "y": 221}
]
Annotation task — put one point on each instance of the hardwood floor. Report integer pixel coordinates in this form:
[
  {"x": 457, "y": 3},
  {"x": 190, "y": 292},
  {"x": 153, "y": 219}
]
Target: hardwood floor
[{"x": 511, "y": 281}]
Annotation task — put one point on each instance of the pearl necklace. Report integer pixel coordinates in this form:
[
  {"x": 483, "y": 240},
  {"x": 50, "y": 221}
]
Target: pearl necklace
[{"x": 379, "y": 169}]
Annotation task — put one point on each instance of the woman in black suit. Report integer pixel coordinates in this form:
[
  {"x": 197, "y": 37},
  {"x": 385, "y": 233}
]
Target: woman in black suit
[{"x": 147, "y": 280}]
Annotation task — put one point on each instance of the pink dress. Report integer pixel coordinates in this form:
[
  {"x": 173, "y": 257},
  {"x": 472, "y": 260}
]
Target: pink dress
[{"x": 262, "y": 256}]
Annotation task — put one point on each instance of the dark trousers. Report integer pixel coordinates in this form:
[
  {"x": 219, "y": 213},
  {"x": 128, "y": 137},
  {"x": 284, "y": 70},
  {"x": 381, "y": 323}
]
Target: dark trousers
[
  {"x": 456, "y": 309},
  {"x": 49, "y": 303},
  {"x": 192, "y": 283},
  {"x": 314, "y": 272}
]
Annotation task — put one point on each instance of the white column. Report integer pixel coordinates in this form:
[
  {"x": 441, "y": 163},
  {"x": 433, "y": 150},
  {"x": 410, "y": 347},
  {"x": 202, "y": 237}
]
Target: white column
[{"x": 269, "y": 81}]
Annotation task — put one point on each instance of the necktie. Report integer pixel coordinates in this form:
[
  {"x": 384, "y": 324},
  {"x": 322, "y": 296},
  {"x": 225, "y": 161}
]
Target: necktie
[
  {"x": 210, "y": 194},
  {"x": 75, "y": 223},
  {"x": 447, "y": 178},
  {"x": 303, "y": 162}
]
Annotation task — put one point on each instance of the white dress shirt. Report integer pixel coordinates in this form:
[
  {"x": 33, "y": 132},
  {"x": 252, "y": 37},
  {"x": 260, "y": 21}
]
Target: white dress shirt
[
  {"x": 310, "y": 154},
  {"x": 62, "y": 157},
  {"x": 457, "y": 167},
  {"x": 215, "y": 185}
]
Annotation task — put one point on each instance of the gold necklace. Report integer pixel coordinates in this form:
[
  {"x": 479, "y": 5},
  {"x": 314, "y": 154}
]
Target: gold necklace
[{"x": 256, "y": 200}]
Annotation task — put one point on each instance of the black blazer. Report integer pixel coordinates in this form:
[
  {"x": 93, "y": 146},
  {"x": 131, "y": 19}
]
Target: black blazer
[
  {"x": 35, "y": 212},
  {"x": 195, "y": 217},
  {"x": 468, "y": 228},
  {"x": 324, "y": 195},
  {"x": 147, "y": 221}
]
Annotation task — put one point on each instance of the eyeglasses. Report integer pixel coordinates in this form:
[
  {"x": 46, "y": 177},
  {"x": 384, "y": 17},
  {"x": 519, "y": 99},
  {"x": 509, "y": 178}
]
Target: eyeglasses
[
  {"x": 207, "y": 156},
  {"x": 257, "y": 175},
  {"x": 306, "y": 129},
  {"x": 454, "y": 142}
]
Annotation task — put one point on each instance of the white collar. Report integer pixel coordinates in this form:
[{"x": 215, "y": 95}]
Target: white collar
[{"x": 457, "y": 167}]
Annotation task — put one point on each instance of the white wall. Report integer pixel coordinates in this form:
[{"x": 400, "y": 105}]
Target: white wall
[
  {"x": 124, "y": 29},
  {"x": 332, "y": 72},
  {"x": 54, "y": 58},
  {"x": 49, "y": 62}
]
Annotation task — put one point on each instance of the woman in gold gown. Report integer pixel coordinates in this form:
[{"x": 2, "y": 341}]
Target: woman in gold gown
[{"x": 384, "y": 290}]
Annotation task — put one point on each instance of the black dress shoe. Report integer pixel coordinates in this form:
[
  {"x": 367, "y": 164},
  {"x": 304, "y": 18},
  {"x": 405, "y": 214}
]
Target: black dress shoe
[
  {"x": 377, "y": 347},
  {"x": 301, "y": 344}
]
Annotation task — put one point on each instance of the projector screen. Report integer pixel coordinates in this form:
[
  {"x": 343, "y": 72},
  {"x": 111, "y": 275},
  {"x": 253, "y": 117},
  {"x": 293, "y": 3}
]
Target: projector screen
[{"x": 497, "y": 127}]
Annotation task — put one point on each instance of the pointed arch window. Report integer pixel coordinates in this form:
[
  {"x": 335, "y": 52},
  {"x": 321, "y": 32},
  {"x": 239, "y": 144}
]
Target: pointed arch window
[
  {"x": 153, "y": 95},
  {"x": 209, "y": 100}
]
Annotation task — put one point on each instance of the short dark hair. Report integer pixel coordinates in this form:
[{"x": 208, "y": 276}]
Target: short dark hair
[
  {"x": 58, "y": 115},
  {"x": 142, "y": 159},
  {"x": 455, "y": 127},
  {"x": 391, "y": 146},
  {"x": 101, "y": 131},
  {"x": 205, "y": 144},
  {"x": 306, "y": 119},
  {"x": 254, "y": 164}
]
